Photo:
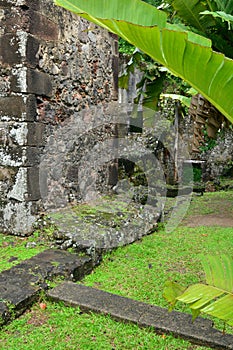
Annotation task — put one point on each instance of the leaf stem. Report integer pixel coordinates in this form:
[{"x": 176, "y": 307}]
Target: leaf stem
[{"x": 210, "y": 5}]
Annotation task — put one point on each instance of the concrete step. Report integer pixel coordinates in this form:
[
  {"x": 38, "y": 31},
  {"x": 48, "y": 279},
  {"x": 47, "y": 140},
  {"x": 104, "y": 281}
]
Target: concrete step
[
  {"x": 20, "y": 285},
  {"x": 120, "y": 308}
]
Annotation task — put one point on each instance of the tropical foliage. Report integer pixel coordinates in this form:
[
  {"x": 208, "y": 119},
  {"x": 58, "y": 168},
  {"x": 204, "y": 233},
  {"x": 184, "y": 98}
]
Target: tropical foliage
[
  {"x": 212, "y": 19},
  {"x": 183, "y": 52},
  {"x": 215, "y": 298},
  {"x": 152, "y": 80}
]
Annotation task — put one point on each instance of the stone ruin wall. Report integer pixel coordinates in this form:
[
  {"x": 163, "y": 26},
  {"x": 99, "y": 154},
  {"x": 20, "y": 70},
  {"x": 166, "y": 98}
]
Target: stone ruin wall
[{"x": 57, "y": 73}]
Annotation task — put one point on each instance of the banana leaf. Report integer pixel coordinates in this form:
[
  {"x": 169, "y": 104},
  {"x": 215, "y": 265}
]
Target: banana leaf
[
  {"x": 201, "y": 15},
  {"x": 186, "y": 101},
  {"x": 225, "y": 5},
  {"x": 184, "y": 53},
  {"x": 215, "y": 298},
  {"x": 225, "y": 17},
  {"x": 189, "y": 11}
]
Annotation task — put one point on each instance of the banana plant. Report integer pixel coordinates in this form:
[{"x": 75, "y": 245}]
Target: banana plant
[
  {"x": 215, "y": 298},
  {"x": 183, "y": 52},
  {"x": 212, "y": 19}
]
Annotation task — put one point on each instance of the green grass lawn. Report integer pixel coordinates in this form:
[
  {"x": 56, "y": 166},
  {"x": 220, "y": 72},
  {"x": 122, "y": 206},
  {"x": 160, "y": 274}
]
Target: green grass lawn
[
  {"x": 60, "y": 328},
  {"x": 137, "y": 271},
  {"x": 15, "y": 249}
]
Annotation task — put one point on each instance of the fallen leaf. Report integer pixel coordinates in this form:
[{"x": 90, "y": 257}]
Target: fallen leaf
[{"x": 43, "y": 306}]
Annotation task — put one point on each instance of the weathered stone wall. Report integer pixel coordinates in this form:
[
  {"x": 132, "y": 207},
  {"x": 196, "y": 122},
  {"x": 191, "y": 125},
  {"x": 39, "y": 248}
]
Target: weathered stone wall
[
  {"x": 54, "y": 65},
  {"x": 219, "y": 160},
  {"x": 168, "y": 140}
]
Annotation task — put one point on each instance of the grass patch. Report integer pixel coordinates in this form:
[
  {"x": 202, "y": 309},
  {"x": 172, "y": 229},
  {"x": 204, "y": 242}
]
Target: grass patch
[
  {"x": 14, "y": 249},
  {"x": 140, "y": 270},
  {"x": 216, "y": 203},
  {"x": 59, "y": 327},
  {"x": 212, "y": 203}
]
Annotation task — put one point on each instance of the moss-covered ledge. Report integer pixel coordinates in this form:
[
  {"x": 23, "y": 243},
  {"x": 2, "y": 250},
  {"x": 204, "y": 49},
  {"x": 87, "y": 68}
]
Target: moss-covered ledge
[{"x": 104, "y": 224}]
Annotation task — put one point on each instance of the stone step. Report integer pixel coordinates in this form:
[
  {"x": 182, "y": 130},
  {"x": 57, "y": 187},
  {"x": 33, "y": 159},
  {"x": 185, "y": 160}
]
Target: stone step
[
  {"x": 20, "y": 285},
  {"x": 104, "y": 223},
  {"x": 124, "y": 309}
]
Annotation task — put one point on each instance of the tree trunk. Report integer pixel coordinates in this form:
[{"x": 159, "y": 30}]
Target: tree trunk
[{"x": 205, "y": 116}]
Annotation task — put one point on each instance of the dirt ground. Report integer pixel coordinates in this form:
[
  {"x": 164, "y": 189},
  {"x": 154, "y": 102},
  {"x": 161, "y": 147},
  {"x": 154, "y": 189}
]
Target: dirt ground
[
  {"x": 221, "y": 215},
  {"x": 209, "y": 220}
]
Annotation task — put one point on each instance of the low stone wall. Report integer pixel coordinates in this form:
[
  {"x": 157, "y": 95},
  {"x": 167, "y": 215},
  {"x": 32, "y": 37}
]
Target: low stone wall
[
  {"x": 220, "y": 158},
  {"x": 54, "y": 66}
]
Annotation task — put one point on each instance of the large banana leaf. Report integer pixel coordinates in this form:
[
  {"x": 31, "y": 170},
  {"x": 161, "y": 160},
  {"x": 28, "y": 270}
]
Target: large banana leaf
[
  {"x": 214, "y": 298},
  {"x": 185, "y": 54}
]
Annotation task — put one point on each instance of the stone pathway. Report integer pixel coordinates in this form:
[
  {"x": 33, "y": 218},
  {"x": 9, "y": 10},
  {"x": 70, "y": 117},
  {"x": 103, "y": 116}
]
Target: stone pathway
[
  {"x": 20, "y": 286},
  {"x": 124, "y": 309}
]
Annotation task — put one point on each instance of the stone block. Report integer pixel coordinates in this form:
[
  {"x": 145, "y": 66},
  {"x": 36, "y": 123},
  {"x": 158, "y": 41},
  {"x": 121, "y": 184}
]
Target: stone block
[
  {"x": 20, "y": 286},
  {"x": 9, "y": 50},
  {"x": 33, "y": 155},
  {"x": 18, "y": 80},
  {"x": 18, "y": 48},
  {"x": 27, "y": 80},
  {"x": 11, "y": 107},
  {"x": 32, "y": 48},
  {"x": 13, "y": 20},
  {"x": 18, "y": 108},
  {"x": 124, "y": 309},
  {"x": 115, "y": 71},
  {"x": 31, "y": 108},
  {"x": 33, "y": 185},
  {"x": 19, "y": 188},
  {"x": 18, "y": 218},
  {"x": 42, "y": 27},
  {"x": 7, "y": 179},
  {"x": 38, "y": 83},
  {"x": 15, "y": 134},
  {"x": 35, "y": 134},
  {"x": 11, "y": 156}
]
